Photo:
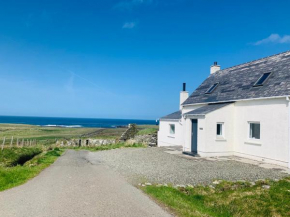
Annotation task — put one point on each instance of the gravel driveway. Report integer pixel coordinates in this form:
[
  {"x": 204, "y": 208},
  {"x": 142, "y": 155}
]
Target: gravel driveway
[{"x": 156, "y": 165}]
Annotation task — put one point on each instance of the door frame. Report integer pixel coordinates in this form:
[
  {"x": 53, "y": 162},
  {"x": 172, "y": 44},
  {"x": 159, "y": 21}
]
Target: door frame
[{"x": 194, "y": 132}]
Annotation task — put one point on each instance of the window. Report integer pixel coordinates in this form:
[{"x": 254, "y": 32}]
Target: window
[
  {"x": 262, "y": 79},
  {"x": 172, "y": 128},
  {"x": 254, "y": 130},
  {"x": 220, "y": 130},
  {"x": 212, "y": 88}
]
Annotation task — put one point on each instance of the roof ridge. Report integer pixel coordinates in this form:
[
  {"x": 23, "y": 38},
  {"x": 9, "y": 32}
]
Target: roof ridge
[{"x": 288, "y": 51}]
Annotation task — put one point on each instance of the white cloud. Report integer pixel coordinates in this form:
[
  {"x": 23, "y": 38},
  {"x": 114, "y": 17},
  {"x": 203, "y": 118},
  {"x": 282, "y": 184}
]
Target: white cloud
[
  {"x": 129, "y": 25},
  {"x": 274, "y": 38},
  {"x": 129, "y": 4}
]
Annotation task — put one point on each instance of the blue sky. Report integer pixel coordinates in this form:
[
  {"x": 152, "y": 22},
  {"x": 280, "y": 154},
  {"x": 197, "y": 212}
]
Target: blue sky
[{"x": 126, "y": 58}]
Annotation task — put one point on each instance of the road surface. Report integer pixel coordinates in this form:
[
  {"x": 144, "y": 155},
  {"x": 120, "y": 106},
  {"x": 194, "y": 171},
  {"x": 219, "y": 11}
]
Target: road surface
[{"x": 75, "y": 187}]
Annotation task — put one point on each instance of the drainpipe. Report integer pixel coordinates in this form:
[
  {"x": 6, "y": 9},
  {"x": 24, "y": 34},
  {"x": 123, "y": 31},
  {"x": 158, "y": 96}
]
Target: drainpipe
[{"x": 288, "y": 100}]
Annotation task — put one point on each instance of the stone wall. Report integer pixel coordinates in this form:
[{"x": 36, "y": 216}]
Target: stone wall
[
  {"x": 129, "y": 133},
  {"x": 86, "y": 142},
  {"x": 150, "y": 139}
]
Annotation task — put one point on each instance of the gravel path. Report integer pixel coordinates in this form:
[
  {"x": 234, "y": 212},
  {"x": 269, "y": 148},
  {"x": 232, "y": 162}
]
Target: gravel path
[
  {"x": 73, "y": 187},
  {"x": 156, "y": 166}
]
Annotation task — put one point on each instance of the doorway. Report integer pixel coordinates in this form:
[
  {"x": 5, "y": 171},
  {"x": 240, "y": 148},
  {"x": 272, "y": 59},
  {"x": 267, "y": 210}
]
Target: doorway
[{"x": 194, "y": 136}]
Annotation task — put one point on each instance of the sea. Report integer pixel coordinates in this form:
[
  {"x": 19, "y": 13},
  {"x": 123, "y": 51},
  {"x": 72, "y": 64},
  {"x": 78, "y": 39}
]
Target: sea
[{"x": 74, "y": 122}]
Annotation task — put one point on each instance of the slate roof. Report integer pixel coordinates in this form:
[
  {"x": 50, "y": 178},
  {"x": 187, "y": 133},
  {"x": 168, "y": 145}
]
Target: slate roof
[
  {"x": 208, "y": 108},
  {"x": 237, "y": 82},
  {"x": 173, "y": 116}
]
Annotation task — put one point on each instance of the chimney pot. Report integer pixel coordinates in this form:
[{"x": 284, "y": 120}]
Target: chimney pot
[
  {"x": 184, "y": 87},
  {"x": 183, "y": 95}
]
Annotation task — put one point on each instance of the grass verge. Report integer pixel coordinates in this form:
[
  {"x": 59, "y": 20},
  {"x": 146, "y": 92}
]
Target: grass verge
[
  {"x": 226, "y": 199},
  {"x": 17, "y": 175},
  {"x": 109, "y": 147}
]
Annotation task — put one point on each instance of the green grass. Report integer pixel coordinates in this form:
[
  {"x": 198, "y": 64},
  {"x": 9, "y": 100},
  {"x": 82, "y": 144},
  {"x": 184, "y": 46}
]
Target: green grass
[
  {"x": 147, "y": 131},
  {"x": 226, "y": 199},
  {"x": 48, "y": 135},
  {"x": 12, "y": 156},
  {"x": 109, "y": 147},
  {"x": 17, "y": 175}
]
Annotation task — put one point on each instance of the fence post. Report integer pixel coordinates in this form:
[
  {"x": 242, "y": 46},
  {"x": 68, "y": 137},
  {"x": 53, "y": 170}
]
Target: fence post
[
  {"x": 17, "y": 144},
  {"x": 11, "y": 142},
  {"x": 3, "y": 144}
]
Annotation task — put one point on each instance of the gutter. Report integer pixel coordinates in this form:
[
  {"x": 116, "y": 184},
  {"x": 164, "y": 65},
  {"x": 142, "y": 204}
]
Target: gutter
[
  {"x": 194, "y": 116},
  {"x": 173, "y": 120},
  {"x": 236, "y": 100}
]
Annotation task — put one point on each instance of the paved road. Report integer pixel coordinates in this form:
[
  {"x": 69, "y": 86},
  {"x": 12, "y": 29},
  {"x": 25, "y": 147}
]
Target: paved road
[{"x": 74, "y": 187}]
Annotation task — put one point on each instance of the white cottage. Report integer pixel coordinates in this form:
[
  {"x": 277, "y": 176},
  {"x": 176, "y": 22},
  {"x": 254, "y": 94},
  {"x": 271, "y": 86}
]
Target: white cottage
[{"x": 242, "y": 111}]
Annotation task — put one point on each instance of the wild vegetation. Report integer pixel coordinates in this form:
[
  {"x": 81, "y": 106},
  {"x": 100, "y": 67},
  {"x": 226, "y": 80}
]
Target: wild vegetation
[
  {"x": 17, "y": 156},
  {"x": 17, "y": 165},
  {"x": 265, "y": 198}
]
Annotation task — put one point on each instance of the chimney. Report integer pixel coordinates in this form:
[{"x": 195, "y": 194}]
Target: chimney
[
  {"x": 214, "y": 68},
  {"x": 183, "y": 95}
]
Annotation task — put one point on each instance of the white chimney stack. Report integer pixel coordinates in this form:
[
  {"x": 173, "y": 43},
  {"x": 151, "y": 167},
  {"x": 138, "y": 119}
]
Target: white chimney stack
[
  {"x": 214, "y": 68},
  {"x": 183, "y": 95}
]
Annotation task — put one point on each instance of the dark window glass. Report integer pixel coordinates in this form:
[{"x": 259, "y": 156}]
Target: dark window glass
[
  {"x": 172, "y": 129},
  {"x": 262, "y": 79},
  {"x": 219, "y": 131},
  {"x": 254, "y": 131},
  {"x": 212, "y": 88}
]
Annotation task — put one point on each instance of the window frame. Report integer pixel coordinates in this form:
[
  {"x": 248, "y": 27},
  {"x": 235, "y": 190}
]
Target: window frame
[
  {"x": 212, "y": 88},
  {"x": 170, "y": 129},
  {"x": 222, "y": 135},
  {"x": 256, "y": 83},
  {"x": 250, "y": 131}
]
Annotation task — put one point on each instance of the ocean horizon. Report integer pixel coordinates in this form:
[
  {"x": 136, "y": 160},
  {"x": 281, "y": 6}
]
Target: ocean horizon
[{"x": 73, "y": 122}]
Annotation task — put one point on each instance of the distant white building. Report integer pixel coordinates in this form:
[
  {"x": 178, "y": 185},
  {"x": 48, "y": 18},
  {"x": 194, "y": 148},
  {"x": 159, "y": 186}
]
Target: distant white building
[{"x": 243, "y": 111}]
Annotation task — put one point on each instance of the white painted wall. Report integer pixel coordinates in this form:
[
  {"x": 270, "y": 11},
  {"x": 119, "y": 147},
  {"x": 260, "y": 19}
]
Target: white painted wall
[
  {"x": 212, "y": 145},
  {"x": 167, "y": 139},
  {"x": 273, "y": 115}
]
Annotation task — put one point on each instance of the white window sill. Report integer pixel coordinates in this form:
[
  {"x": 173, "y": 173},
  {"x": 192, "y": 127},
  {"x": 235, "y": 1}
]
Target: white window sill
[
  {"x": 220, "y": 139},
  {"x": 172, "y": 137},
  {"x": 253, "y": 142}
]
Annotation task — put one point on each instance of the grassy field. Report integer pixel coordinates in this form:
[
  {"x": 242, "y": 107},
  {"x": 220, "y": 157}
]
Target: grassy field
[
  {"x": 15, "y": 171},
  {"x": 50, "y": 134},
  {"x": 226, "y": 199}
]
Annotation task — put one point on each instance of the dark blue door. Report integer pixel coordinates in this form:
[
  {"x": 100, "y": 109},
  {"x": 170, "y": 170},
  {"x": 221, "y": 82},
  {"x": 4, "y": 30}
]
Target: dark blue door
[{"x": 194, "y": 136}]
